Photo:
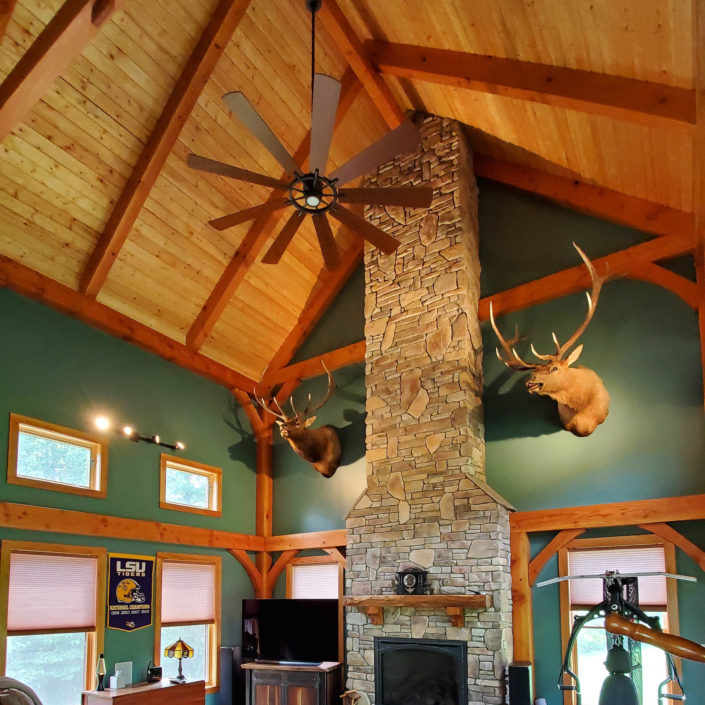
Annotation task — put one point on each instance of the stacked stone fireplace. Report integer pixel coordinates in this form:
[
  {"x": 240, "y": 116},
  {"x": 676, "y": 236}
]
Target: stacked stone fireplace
[{"x": 427, "y": 504}]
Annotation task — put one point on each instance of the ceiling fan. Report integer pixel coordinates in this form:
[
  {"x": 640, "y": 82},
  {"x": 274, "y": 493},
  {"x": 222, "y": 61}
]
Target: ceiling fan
[{"x": 316, "y": 192}]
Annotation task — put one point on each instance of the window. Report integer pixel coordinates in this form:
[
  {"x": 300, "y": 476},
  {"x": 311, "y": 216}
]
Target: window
[
  {"x": 188, "y": 486},
  {"x": 188, "y": 608},
  {"x": 51, "y": 625},
  {"x": 318, "y": 577},
  {"x": 56, "y": 458},
  {"x": 656, "y": 597}
]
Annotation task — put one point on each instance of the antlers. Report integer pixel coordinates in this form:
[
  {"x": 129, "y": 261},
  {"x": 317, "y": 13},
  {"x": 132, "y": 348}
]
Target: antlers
[
  {"x": 516, "y": 363},
  {"x": 301, "y": 415}
]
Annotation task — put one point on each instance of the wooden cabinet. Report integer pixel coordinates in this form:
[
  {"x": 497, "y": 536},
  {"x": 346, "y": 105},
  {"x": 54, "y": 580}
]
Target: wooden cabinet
[
  {"x": 159, "y": 693},
  {"x": 279, "y": 684}
]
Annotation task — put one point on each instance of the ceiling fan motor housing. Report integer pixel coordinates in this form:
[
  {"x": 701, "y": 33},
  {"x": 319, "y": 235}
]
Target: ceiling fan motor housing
[{"x": 313, "y": 193}]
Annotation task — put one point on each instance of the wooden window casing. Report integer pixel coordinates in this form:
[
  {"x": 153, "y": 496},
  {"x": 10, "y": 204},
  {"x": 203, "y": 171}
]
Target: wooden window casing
[
  {"x": 320, "y": 560},
  {"x": 98, "y": 447},
  {"x": 614, "y": 542},
  {"x": 94, "y": 637},
  {"x": 215, "y": 484},
  {"x": 214, "y": 626}
]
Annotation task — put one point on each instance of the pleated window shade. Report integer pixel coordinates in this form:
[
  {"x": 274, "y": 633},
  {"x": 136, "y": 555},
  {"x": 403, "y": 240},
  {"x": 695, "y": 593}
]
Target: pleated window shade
[
  {"x": 188, "y": 593},
  {"x": 642, "y": 559},
  {"x": 315, "y": 581},
  {"x": 49, "y": 592}
]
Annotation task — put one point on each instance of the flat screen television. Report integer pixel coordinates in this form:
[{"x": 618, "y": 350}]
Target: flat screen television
[{"x": 290, "y": 630}]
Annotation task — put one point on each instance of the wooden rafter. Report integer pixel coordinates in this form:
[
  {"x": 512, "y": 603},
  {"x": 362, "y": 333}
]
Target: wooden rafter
[
  {"x": 257, "y": 236},
  {"x": 253, "y": 573},
  {"x": 321, "y": 298},
  {"x": 337, "y": 554},
  {"x": 643, "y": 102},
  {"x": 6, "y": 9},
  {"x": 699, "y": 168},
  {"x": 647, "y": 216},
  {"x": 355, "y": 54},
  {"x": 313, "y": 366},
  {"x": 314, "y": 539},
  {"x": 178, "y": 107},
  {"x": 61, "y": 41},
  {"x": 279, "y": 565},
  {"x": 559, "y": 541},
  {"x": 25, "y": 281},
  {"x": 675, "y": 283},
  {"x": 670, "y": 534},
  {"x": 568, "y": 281}
]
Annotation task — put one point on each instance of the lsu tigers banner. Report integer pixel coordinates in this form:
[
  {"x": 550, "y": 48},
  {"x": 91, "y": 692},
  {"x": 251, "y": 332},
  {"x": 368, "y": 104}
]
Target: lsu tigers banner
[{"x": 129, "y": 591}]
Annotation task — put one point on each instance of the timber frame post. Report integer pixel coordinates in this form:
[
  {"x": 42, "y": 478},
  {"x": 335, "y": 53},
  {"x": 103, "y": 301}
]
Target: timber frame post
[{"x": 651, "y": 515}]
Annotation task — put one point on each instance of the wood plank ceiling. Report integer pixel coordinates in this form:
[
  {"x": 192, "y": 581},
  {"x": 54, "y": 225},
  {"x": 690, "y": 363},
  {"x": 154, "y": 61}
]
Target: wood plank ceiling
[{"x": 96, "y": 195}]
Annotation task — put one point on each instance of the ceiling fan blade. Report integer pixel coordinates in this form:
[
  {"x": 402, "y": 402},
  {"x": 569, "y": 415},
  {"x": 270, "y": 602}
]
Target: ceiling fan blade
[
  {"x": 405, "y": 138},
  {"x": 228, "y": 221},
  {"x": 213, "y": 167},
  {"x": 242, "y": 109},
  {"x": 326, "y": 241},
  {"x": 361, "y": 227},
  {"x": 275, "y": 252},
  {"x": 326, "y": 94},
  {"x": 413, "y": 197}
]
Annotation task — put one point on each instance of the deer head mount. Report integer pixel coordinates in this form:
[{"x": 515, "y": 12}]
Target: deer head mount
[
  {"x": 318, "y": 446},
  {"x": 583, "y": 401}
]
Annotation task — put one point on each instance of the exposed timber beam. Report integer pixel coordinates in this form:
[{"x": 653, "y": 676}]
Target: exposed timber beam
[
  {"x": 178, "y": 107},
  {"x": 559, "y": 541},
  {"x": 60, "y": 42},
  {"x": 25, "y": 281},
  {"x": 644, "y": 511},
  {"x": 647, "y": 216},
  {"x": 314, "y": 539},
  {"x": 321, "y": 298},
  {"x": 356, "y": 55},
  {"x": 675, "y": 283},
  {"x": 699, "y": 168},
  {"x": 333, "y": 360},
  {"x": 647, "y": 103},
  {"x": 6, "y": 9},
  {"x": 64, "y": 521},
  {"x": 569, "y": 281},
  {"x": 253, "y": 573},
  {"x": 257, "y": 236},
  {"x": 670, "y": 534}
]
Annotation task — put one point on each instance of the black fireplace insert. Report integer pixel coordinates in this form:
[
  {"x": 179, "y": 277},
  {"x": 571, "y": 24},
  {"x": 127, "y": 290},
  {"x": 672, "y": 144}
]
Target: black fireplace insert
[{"x": 420, "y": 672}]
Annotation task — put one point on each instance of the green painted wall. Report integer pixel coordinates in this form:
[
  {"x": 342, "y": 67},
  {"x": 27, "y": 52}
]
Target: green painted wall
[
  {"x": 643, "y": 342},
  {"x": 62, "y": 371}
]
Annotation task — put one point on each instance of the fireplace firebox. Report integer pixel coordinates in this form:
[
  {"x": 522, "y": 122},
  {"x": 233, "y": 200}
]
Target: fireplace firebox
[{"x": 420, "y": 672}]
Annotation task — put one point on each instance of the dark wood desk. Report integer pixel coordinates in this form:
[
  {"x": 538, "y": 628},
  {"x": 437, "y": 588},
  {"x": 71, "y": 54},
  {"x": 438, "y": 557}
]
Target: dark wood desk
[
  {"x": 160, "y": 693},
  {"x": 281, "y": 684}
]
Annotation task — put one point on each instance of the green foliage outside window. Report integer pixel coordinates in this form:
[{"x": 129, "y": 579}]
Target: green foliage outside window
[
  {"x": 53, "y": 460},
  {"x": 196, "y": 636},
  {"x": 188, "y": 488},
  {"x": 51, "y": 664}
]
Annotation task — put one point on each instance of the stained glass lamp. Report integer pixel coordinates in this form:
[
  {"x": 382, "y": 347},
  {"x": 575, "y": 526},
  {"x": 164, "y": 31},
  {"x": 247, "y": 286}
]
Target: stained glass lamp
[{"x": 179, "y": 649}]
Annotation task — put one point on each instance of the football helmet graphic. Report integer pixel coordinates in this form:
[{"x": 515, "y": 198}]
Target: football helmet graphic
[{"x": 128, "y": 591}]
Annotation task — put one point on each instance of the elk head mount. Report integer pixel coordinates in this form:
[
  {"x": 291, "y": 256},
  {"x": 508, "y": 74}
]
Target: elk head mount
[
  {"x": 583, "y": 401},
  {"x": 318, "y": 446}
]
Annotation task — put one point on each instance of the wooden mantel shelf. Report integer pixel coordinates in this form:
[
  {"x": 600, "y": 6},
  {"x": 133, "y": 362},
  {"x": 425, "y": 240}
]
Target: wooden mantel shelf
[{"x": 455, "y": 605}]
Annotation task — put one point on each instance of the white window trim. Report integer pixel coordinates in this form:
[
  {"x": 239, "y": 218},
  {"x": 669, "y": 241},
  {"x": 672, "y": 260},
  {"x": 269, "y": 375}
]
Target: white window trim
[
  {"x": 95, "y": 638},
  {"x": 98, "y": 447},
  {"x": 214, "y": 629},
  {"x": 215, "y": 485}
]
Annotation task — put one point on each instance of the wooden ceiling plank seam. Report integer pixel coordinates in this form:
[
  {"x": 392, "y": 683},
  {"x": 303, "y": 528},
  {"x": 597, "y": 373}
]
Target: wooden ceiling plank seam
[
  {"x": 647, "y": 103},
  {"x": 256, "y": 237},
  {"x": 321, "y": 298},
  {"x": 646, "y": 216},
  {"x": 699, "y": 168},
  {"x": 188, "y": 87},
  {"x": 574, "y": 279},
  {"x": 665, "y": 278},
  {"x": 345, "y": 38},
  {"x": 61, "y": 41},
  {"x": 6, "y": 10},
  {"x": 27, "y": 282}
]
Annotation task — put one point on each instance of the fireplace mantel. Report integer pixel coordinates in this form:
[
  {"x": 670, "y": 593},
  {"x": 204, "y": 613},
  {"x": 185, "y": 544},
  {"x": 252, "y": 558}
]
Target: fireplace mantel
[{"x": 455, "y": 605}]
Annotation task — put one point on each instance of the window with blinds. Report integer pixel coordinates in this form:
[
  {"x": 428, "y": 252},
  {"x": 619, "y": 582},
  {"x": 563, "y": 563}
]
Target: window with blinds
[
  {"x": 640, "y": 559},
  {"x": 189, "y": 588},
  {"x": 314, "y": 581}
]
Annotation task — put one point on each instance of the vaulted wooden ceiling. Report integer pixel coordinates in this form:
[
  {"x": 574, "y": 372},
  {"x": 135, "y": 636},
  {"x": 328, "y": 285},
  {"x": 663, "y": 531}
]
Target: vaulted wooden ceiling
[{"x": 594, "y": 104}]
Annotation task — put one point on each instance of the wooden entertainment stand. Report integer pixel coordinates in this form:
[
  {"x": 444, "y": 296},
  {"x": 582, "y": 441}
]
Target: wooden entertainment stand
[
  {"x": 281, "y": 683},
  {"x": 160, "y": 693}
]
